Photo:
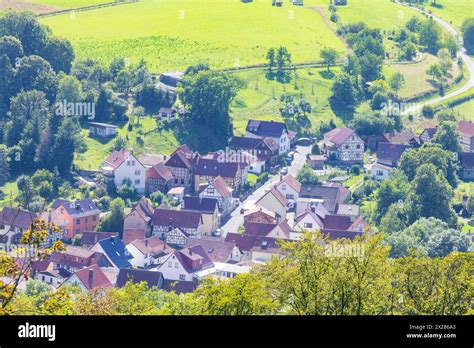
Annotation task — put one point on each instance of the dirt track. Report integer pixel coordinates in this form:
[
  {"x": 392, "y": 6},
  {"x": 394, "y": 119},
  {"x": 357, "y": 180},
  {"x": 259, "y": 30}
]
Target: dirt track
[{"x": 19, "y": 5}]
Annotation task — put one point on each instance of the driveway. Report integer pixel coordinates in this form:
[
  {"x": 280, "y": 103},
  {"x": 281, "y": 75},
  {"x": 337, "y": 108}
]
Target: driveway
[
  {"x": 462, "y": 53},
  {"x": 237, "y": 219}
]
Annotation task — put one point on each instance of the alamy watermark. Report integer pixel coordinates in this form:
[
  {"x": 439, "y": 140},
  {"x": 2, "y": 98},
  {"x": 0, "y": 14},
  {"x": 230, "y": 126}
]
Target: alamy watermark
[
  {"x": 394, "y": 108},
  {"x": 83, "y": 109}
]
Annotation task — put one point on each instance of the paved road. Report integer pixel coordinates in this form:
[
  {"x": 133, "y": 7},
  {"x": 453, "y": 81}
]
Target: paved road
[
  {"x": 237, "y": 219},
  {"x": 462, "y": 53}
]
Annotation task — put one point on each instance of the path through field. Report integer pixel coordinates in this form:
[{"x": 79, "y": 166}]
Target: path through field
[
  {"x": 462, "y": 53},
  {"x": 19, "y": 5}
]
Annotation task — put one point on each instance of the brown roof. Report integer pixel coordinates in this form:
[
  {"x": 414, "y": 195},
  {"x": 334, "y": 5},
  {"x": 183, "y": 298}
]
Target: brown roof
[
  {"x": 339, "y": 135},
  {"x": 222, "y": 187},
  {"x": 466, "y": 128},
  {"x": 116, "y": 158},
  {"x": 217, "y": 250},
  {"x": 214, "y": 167},
  {"x": 17, "y": 217},
  {"x": 177, "y": 218},
  {"x": 151, "y": 159},
  {"x": 292, "y": 182},
  {"x": 258, "y": 229},
  {"x": 159, "y": 171},
  {"x": 405, "y": 137},
  {"x": 93, "y": 277},
  {"x": 91, "y": 238},
  {"x": 152, "y": 245},
  {"x": 131, "y": 234}
]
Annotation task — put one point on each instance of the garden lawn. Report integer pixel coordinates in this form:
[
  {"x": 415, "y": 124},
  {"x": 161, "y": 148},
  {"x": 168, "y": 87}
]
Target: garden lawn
[
  {"x": 465, "y": 110},
  {"x": 173, "y": 34}
]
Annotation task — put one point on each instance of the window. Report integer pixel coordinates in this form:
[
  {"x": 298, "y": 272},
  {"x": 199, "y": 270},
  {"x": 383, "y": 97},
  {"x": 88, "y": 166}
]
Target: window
[
  {"x": 175, "y": 265},
  {"x": 283, "y": 187},
  {"x": 170, "y": 264},
  {"x": 379, "y": 173},
  {"x": 137, "y": 182},
  {"x": 128, "y": 163},
  {"x": 289, "y": 196},
  {"x": 86, "y": 220},
  {"x": 78, "y": 221},
  {"x": 94, "y": 218},
  {"x": 308, "y": 225},
  {"x": 133, "y": 163},
  {"x": 137, "y": 172},
  {"x": 358, "y": 146},
  {"x": 182, "y": 181},
  {"x": 182, "y": 277},
  {"x": 346, "y": 147}
]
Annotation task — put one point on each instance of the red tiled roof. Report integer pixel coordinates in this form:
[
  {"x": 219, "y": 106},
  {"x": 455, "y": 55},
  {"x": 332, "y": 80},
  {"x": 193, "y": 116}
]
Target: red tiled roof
[
  {"x": 93, "y": 277},
  {"x": 160, "y": 172},
  {"x": 339, "y": 135},
  {"x": 152, "y": 245},
  {"x": 275, "y": 193},
  {"x": 17, "y": 217},
  {"x": 222, "y": 187},
  {"x": 116, "y": 158}
]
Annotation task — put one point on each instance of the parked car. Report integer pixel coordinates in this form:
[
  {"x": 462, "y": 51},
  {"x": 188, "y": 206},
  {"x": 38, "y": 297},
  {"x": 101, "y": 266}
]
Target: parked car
[
  {"x": 284, "y": 171},
  {"x": 290, "y": 156},
  {"x": 304, "y": 141},
  {"x": 217, "y": 233}
]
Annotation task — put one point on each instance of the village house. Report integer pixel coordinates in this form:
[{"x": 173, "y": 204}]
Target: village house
[
  {"x": 331, "y": 195},
  {"x": 343, "y": 145},
  {"x": 138, "y": 223},
  {"x": 170, "y": 80},
  {"x": 339, "y": 226},
  {"x": 266, "y": 149},
  {"x": 220, "y": 190},
  {"x": 466, "y": 160},
  {"x": 209, "y": 209},
  {"x": 427, "y": 135},
  {"x": 276, "y": 230},
  {"x": 167, "y": 114},
  {"x": 122, "y": 166},
  {"x": 261, "y": 215},
  {"x": 181, "y": 163},
  {"x": 158, "y": 178},
  {"x": 255, "y": 248},
  {"x": 316, "y": 161},
  {"x": 207, "y": 169},
  {"x": 289, "y": 187},
  {"x": 389, "y": 154},
  {"x": 166, "y": 220},
  {"x": 380, "y": 172},
  {"x": 407, "y": 138},
  {"x": 217, "y": 250},
  {"x": 90, "y": 278},
  {"x": 273, "y": 200},
  {"x": 275, "y": 130},
  {"x": 310, "y": 220},
  {"x": 466, "y": 132},
  {"x": 149, "y": 251},
  {"x": 74, "y": 217},
  {"x": 183, "y": 264},
  {"x": 13, "y": 222},
  {"x": 76, "y": 258},
  {"x": 115, "y": 251},
  {"x": 103, "y": 130}
]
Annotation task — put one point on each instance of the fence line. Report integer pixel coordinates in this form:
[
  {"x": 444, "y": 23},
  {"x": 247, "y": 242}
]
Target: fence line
[{"x": 86, "y": 8}]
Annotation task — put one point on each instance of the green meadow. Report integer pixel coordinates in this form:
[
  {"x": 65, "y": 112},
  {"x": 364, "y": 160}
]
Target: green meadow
[
  {"x": 173, "y": 34},
  {"x": 454, "y": 11}
]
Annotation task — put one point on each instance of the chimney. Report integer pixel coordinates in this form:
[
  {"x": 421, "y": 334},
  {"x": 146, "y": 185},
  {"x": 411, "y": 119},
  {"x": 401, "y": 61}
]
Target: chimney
[
  {"x": 313, "y": 209},
  {"x": 190, "y": 252},
  {"x": 281, "y": 177},
  {"x": 91, "y": 276},
  {"x": 146, "y": 242}
]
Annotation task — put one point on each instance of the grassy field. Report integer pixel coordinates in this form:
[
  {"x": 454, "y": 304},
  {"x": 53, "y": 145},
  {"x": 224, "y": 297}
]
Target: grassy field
[
  {"x": 173, "y": 34},
  {"x": 382, "y": 14},
  {"x": 454, "y": 11},
  {"x": 465, "y": 110}
]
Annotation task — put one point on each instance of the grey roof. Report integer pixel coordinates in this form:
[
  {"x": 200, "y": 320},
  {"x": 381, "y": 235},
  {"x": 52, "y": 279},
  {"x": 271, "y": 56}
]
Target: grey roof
[
  {"x": 203, "y": 205},
  {"x": 266, "y": 128},
  {"x": 152, "y": 278},
  {"x": 77, "y": 207}
]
